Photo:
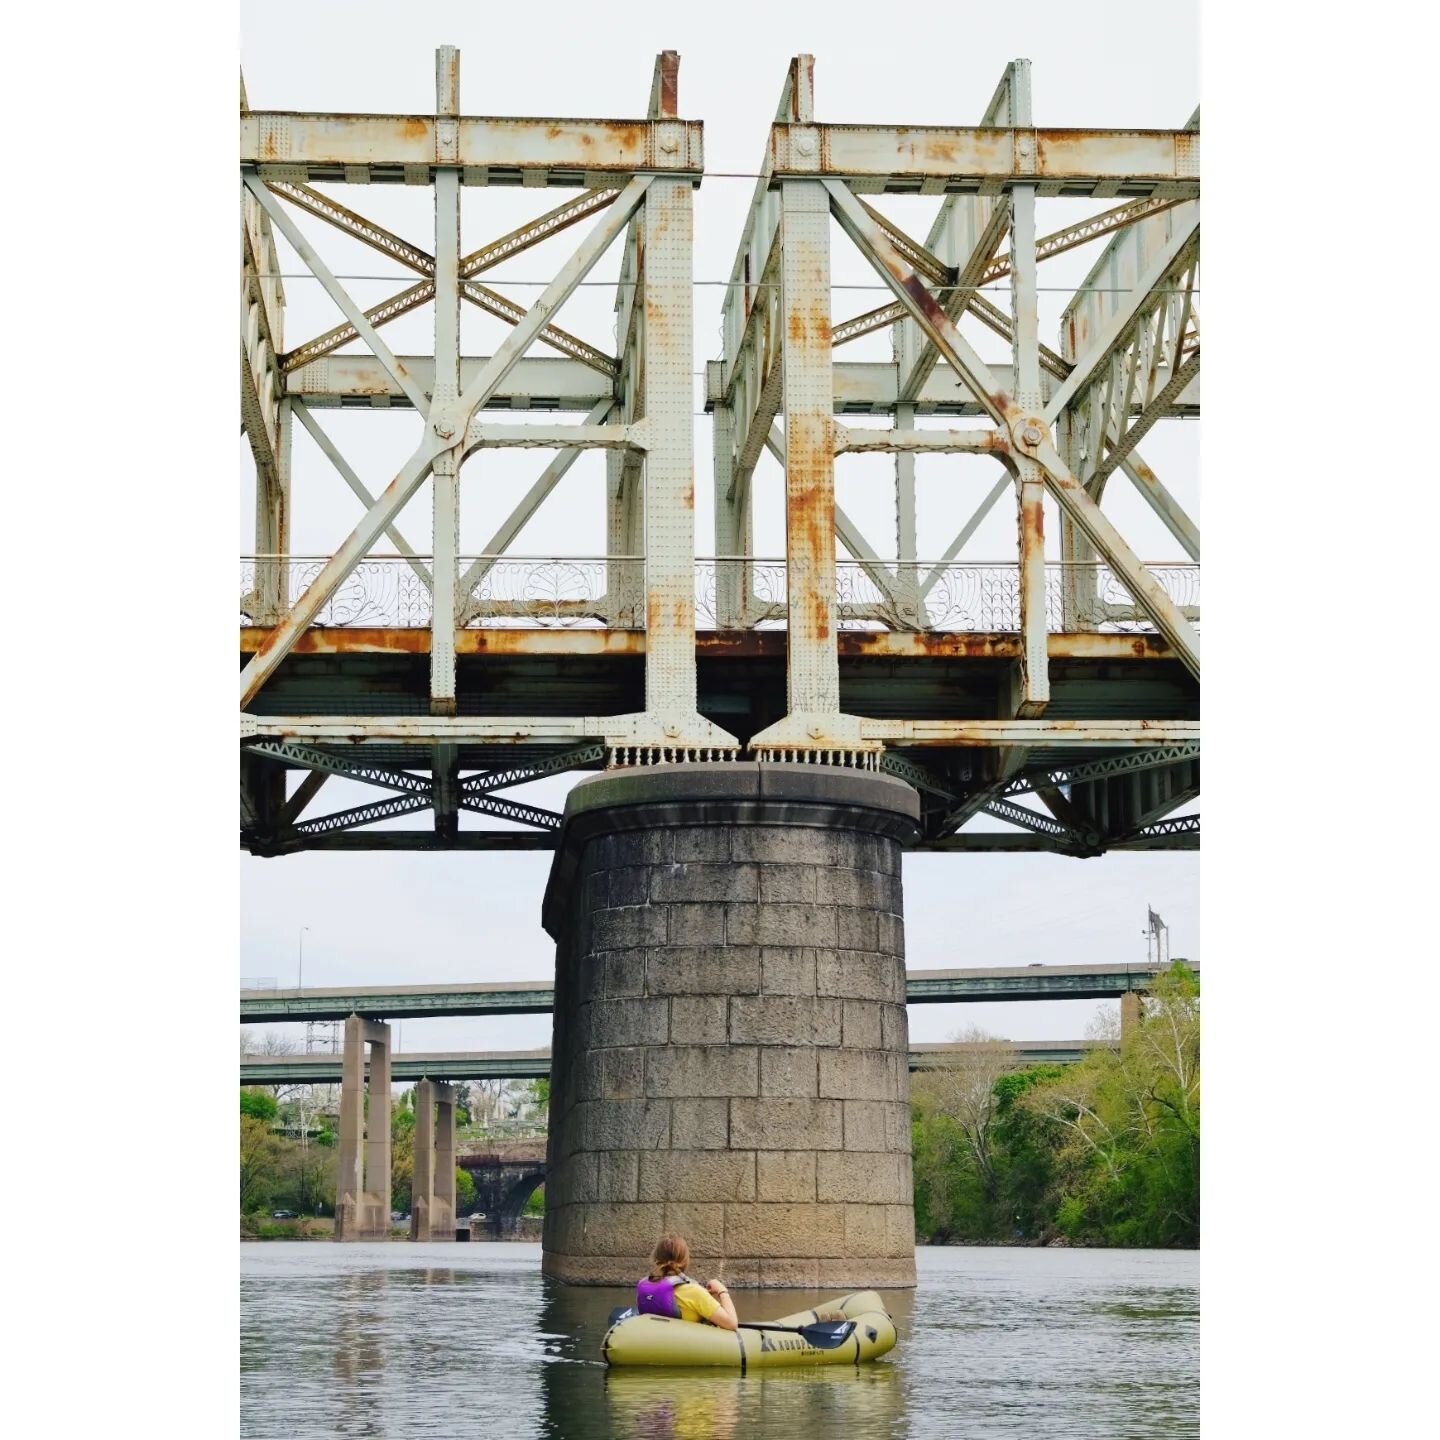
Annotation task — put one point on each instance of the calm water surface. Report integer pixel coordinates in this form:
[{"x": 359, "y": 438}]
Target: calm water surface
[{"x": 438, "y": 1340}]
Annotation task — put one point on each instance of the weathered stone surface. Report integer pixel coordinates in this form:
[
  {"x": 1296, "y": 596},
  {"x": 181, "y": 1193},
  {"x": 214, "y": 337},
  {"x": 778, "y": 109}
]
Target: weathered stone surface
[
  {"x": 774, "y": 924},
  {"x": 696, "y": 1070},
  {"x": 703, "y": 1225},
  {"x": 865, "y": 1125},
  {"x": 626, "y": 1125},
  {"x": 881, "y": 1179},
  {"x": 788, "y": 1070},
  {"x": 628, "y": 885},
  {"x": 894, "y": 1028},
  {"x": 614, "y": 1023},
  {"x": 620, "y": 1229},
  {"x": 617, "y": 1175},
  {"x": 853, "y": 975},
  {"x": 778, "y": 1124},
  {"x": 785, "y": 1174},
  {"x": 697, "y": 924},
  {"x": 706, "y": 970},
  {"x": 868, "y": 888},
  {"x": 623, "y": 1074},
  {"x": 787, "y": 970},
  {"x": 576, "y": 1178},
  {"x": 703, "y": 842},
  {"x": 865, "y": 1232},
  {"x": 784, "y": 1231},
  {"x": 862, "y": 1024},
  {"x": 900, "y": 1229},
  {"x": 788, "y": 884},
  {"x": 892, "y": 934},
  {"x": 786, "y": 1020},
  {"x": 856, "y": 1075},
  {"x": 631, "y": 925},
  {"x": 856, "y": 929},
  {"x": 699, "y": 1019},
  {"x": 624, "y": 974},
  {"x": 696, "y": 881},
  {"x": 789, "y": 1274},
  {"x": 700, "y": 1124},
  {"x": 868, "y": 1272},
  {"x": 697, "y": 1175}
]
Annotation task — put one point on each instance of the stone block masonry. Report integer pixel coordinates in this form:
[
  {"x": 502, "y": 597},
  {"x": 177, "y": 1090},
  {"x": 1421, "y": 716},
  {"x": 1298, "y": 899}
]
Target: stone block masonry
[{"x": 730, "y": 1048}]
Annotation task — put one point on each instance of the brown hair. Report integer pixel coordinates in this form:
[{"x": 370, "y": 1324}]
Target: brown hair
[{"x": 671, "y": 1257}]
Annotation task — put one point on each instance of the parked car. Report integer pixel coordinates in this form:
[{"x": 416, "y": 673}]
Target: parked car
[{"x": 283, "y": 1215}]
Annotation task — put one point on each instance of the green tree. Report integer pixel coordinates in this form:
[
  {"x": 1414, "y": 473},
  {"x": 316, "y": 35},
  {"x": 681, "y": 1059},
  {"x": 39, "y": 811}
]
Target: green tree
[
  {"x": 258, "y": 1105},
  {"x": 261, "y": 1159},
  {"x": 464, "y": 1191},
  {"x": 535, "y": 1205}
]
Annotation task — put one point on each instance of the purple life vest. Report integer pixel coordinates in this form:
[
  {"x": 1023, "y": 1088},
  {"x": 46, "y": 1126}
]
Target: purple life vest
[{"x": 657, "y": 1297}]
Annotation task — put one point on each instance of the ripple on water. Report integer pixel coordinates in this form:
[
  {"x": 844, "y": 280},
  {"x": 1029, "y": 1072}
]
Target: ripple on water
[{"x": 400, "y": 1340}]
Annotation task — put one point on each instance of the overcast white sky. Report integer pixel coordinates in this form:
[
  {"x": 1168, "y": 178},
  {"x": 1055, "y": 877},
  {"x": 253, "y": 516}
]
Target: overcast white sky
[{"x": 427, "y": 918}]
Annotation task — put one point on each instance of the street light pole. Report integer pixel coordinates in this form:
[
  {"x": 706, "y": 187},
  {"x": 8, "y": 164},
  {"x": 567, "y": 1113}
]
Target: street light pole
[{"x": 300, "y": 982}]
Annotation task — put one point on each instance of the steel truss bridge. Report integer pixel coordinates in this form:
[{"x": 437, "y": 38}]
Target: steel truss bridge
[{"x": 1059, "y": 695}]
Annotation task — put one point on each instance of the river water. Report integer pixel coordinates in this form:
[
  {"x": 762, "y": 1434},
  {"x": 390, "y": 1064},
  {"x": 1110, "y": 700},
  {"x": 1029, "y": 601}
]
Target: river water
[{"x": 408, "y": 1340}]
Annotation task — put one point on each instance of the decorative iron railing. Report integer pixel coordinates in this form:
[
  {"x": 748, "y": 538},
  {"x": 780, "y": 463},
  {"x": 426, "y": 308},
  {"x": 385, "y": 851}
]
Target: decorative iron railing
[{"x": 740, "y": 593}]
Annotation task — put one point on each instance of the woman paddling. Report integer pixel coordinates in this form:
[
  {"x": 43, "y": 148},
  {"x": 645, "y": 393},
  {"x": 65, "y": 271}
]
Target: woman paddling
[{"x": 669, "y": 1291}]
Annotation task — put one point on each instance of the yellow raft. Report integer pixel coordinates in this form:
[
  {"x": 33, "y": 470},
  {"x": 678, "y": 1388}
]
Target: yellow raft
[{"x": 659, "y": 1340}]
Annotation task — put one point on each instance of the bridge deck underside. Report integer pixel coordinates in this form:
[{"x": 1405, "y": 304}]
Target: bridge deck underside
[{"x": 741, "y": 686}]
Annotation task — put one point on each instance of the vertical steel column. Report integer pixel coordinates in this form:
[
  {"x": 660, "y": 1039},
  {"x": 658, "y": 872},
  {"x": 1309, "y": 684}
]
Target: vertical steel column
[
  {"x": 1034, "y": 687},
  {"x": 422, "y": 1174},
  {"x": 813, "y": 666},
  {"x": 272, "y": 524},
  {"x": 350, "y": 1184},
  {"x": 445, "y": 481},
  {"x": 732, "y": 528},
  {"x": 666, "y": 227},
  {"x": 907, "y": 588}
]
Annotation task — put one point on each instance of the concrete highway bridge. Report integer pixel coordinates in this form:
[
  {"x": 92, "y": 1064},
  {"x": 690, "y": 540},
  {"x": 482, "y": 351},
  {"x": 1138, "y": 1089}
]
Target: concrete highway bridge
[
  {"x": 452, "y": 1066},
  {"x": 537, "y": 997}
]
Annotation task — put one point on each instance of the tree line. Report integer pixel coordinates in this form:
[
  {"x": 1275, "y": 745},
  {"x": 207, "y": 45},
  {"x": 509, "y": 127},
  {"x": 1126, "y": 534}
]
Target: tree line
[{"x": 1103, "y": 1152}]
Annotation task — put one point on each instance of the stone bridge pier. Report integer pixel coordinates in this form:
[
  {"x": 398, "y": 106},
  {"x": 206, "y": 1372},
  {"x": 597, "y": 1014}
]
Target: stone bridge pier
[
  {"x": 506, "y": 1174},
  {"x": 730, "y": 1048}
]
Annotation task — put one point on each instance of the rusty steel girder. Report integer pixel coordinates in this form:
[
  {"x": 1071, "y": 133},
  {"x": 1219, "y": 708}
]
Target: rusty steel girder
[{"x": 1057, "y": 422}]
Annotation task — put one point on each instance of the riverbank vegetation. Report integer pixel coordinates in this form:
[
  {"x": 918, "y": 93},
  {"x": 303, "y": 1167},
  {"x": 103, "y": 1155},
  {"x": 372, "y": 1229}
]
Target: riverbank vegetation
[{"x": 1105, "y": 1152}]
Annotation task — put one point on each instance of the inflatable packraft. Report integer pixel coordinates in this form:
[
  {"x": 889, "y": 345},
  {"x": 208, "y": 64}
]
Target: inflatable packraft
[{"x": 867, "y": 1333}]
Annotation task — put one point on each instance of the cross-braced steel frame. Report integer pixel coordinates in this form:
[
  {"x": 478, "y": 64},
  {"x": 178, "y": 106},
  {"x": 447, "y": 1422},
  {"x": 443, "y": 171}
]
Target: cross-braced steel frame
[{"x": 1058, "y": 424}]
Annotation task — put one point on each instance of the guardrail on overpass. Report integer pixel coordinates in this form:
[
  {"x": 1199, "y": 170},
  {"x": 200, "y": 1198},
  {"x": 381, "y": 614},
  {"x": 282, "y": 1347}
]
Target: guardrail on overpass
[
  {"x": 535, "y": 1064},
  {"x": 536, "y": 997}
]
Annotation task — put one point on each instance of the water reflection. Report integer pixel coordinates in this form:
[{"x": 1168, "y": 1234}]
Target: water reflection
[{"x": 717, "y": 1405}]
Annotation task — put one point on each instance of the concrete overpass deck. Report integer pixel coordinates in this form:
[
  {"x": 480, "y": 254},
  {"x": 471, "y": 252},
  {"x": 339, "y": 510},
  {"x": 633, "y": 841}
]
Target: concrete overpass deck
[
  {"x": 535, "y": 1064},
  {"x": 536, "y": 997}
]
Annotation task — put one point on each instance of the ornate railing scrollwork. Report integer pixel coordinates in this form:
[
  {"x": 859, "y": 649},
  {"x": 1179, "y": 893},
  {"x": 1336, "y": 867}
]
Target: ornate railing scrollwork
[{"x": 731, "y": 592}]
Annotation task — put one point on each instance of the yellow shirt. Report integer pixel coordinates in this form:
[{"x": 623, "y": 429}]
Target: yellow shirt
[{"x": 695, "y": 1302}]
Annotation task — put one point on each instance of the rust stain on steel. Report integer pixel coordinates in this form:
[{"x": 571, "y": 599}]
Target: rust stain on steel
[
  {"x": 715, "y": 644},
  {"x": 415, "y": 129}
]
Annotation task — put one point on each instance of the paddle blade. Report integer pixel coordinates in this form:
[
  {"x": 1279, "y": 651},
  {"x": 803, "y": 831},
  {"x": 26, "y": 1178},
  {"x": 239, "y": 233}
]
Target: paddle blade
[
  {"x": 621, "y": 1312},
  {"x": 828, "y": 1334}
]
